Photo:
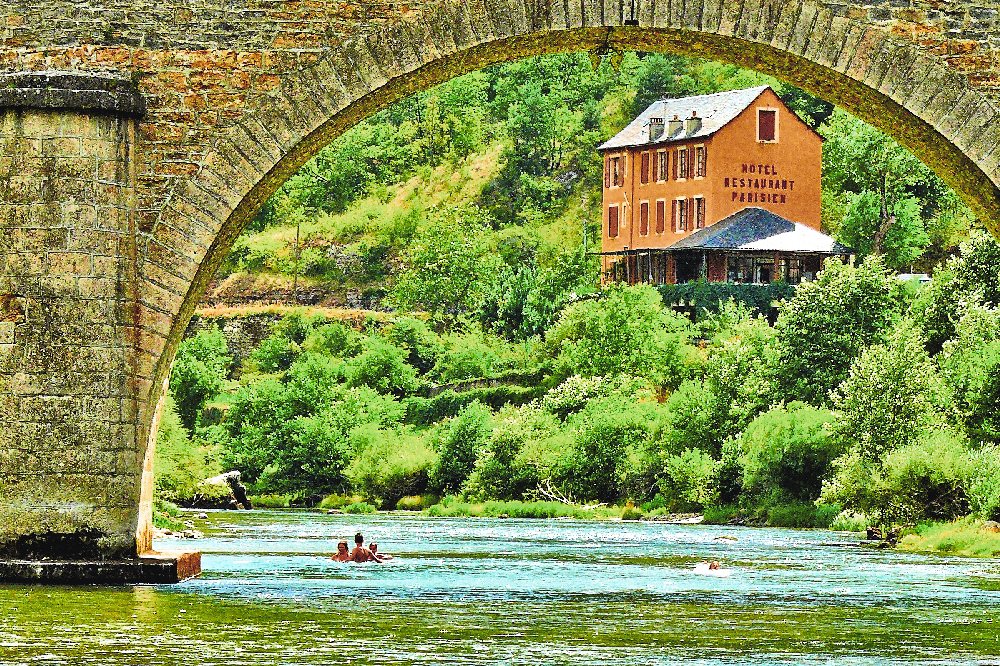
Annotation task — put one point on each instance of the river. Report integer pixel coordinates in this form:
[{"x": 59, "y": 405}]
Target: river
[{"x": 475, "y": 591}]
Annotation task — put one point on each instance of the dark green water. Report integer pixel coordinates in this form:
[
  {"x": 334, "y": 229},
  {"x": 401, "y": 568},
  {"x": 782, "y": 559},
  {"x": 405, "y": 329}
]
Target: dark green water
[{"x": 477, "y": 591}]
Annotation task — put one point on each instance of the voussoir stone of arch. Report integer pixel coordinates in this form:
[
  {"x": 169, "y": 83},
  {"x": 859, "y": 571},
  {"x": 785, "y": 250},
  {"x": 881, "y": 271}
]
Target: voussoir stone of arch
[{"x": 180, "y": 119}]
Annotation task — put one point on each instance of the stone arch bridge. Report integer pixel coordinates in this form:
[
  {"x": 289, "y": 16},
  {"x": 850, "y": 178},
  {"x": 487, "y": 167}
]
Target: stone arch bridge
[{"x": 139, "y": 137}]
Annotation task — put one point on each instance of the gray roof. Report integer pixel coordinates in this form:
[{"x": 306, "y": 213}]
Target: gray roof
[
  {"x": 715, "y": 110},
  {"x": 755, "y": 229}
]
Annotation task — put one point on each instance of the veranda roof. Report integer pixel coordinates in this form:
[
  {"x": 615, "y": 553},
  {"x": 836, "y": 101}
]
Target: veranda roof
[{"x": 757, "y": 230}]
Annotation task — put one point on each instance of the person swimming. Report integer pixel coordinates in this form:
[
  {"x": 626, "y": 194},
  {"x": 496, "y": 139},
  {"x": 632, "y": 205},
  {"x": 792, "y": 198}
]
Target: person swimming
[
  {"x": 343, "y": 553},
  {"x": 362, "y": 554},
  {"x": 374, "y": 548}
]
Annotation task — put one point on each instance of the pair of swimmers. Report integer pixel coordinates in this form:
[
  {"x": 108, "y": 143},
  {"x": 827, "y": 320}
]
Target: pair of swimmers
[{"x": 360, "y": 553}]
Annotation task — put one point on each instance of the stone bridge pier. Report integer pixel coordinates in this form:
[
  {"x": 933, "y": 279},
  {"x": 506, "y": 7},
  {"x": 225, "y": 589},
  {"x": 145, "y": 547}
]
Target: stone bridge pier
[{"x": 74, "y": 378}]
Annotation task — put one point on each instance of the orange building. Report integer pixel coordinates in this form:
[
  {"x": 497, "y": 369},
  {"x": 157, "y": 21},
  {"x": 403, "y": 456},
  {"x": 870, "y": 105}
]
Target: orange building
[{"x": 723, "y": 186}]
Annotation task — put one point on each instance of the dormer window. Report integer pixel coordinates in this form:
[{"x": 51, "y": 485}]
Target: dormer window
[{"x": 767, "y": 125}]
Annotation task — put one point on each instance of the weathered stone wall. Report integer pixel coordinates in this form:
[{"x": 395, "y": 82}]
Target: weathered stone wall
[
  {"x": 239, "y": 93},
  {"x": 69, "y": 459}
]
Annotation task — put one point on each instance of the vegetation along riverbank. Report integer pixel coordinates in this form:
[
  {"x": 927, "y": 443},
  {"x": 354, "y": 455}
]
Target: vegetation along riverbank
[{"x": 458, "y": 345}]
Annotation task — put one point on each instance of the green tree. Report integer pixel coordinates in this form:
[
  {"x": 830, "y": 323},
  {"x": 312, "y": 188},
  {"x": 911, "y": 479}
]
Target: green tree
[
  {"x": 827, "y": 324},
  {"x": 198, "y": 372},
  {"x": 459, "y": 444},
  {"x": 970, "y": 365},
  {"x": 626, "y": 331},
  {"x": 902, "y": 242},
  {"x": 890, "y": 397},
  {"x": 859, "y": 158},
  {"x": 447, "y": 264},
  {"x": 787, "y": 451}
]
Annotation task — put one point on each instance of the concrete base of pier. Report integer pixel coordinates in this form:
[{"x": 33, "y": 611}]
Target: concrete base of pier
[{"x": 151, "y": 568}]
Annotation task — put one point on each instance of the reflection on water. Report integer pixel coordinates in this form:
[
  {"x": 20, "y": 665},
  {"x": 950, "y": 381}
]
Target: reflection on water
[{"x": 464, "y": 591}]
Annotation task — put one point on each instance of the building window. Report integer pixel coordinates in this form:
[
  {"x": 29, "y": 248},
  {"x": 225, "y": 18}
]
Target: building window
[
  {"x": 644, "y": 168},
  {"x": 662, "y": 162},
  {"x": 699, "y": 213},
  {"x": 680, "y": 214},
  {"x": 681, "y": 163},
  {"x": 643, "y": 218},
  {"x": 616, "y": 174},
  {"x": 700, "y": 161},
  {"x": 767, "y": 125},
  {"x": 661, "y": 214},
  {"x": 613, "y": 221}
]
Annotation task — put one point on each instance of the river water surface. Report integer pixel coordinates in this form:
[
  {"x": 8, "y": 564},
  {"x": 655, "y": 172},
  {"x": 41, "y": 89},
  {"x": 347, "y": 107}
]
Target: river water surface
[{"x": 481, "y": 591}]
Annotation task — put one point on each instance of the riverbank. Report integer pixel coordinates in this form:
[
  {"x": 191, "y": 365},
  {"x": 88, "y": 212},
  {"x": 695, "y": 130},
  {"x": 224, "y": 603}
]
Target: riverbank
[{"x": 964, "y": 537}]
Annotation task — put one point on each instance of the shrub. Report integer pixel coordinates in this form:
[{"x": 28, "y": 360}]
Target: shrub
[
  {"x": 465, "y": 356},
  {"x": 275, "y": 353},
  {"x": 180, "y": 463},
  {"x": 889, "y": 396},
  {"x": 984, "y": 483},
  {"x": 460, "y": 443},
  {"x": 380, "y": 366},
  {"x": 337, "y": 501},
  {"x": 632, "y": 512},
  {"x": 501, "y": 471},
  {"x": 421, "y": 343},
  {"x": 424, "y": 411},
  {"x": 607, "y": 430},
  {"x": 389, "y": 465},
  {"x": 627, "y": 331},
  {"x": 334, "y": 339},
  {"x": 272, "y": 501},
  {"x": 787, "y": 450},
  {"x": 689, "y": 480},
  {"x": 849, "y": 521},
  {"x": 198, "y": 372},
  {"x": 416, "y": 502},
  {"x": 572, "y": 395},
  {"x": 692, "y": 420},
  {"x": 970, "y": 364},
  {"x": 802, "y": 515},
  {"x": 827, "y": 324},
  {"x": 360, "y": 507}
]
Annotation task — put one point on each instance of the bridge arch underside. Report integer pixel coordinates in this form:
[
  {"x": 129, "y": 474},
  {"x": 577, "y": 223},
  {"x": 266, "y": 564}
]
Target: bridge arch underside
[{"x": 164, "y": 269}]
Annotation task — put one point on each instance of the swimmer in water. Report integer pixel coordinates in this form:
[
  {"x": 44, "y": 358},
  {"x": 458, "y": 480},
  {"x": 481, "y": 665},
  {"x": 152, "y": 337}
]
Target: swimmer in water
[{"x": 343, "y": 553}]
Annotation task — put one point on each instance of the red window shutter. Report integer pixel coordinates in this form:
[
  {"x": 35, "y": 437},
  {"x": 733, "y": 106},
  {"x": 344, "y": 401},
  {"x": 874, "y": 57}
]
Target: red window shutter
[
  {"x": 644, "y": 170},
  {"x": 644, "y": 218},
  {"x": 673, "y": 215},
  {"x": 704, "y": 161},
  {"x": 613, "y": 221},
  {"x": 765, "y": 125},
  {"x": 690, "y": 215},
  {"x": 620, "y": 163},
  {"x": 690, "y": 163},
  {"x": 607, "y": 172},
  {"x": 701, "y": 213},
  {"x": 660, "y": 211},
  {"x": 676, "y": 160}
]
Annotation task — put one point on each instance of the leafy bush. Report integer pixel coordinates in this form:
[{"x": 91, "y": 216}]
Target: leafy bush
[
  {"x": 625, "y": 332},
  {"x": 458, "y": 446},
  {"x": 448, "y": 403},
  {"x": 849, "y": 521},
  {"x": 970, "y": 365},
  {"x": 572, "y": 395},
  {"x": 420, "y": 342},
  {"x": 272, "y": 501},
  {"x": 416, "y": 502},
  {"x": 380, "y": 366},
  {"x": 198, "y": 372},
  {"x": 692, "y": 420},
  {"x": 890, "y": 395},
  {"x": 827, "y": 324},
  {"x": 333, "y": 339},
  {"x": 465, "y": 356},
  {"x": 274, "y": 354},
  {"x": 360, "y": 507},
  {"x": 689, "y": 480},
  {"x": 389, "y": 465},
  {"x": 801, "y": 515},
  {"x": 180, "y": 463},
  {"x": 787, "y": 450}
]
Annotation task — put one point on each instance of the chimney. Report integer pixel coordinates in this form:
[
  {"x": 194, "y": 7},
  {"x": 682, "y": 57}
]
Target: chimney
[
  {"x": 692, "y": 124},
  {"x": 674, "y": 126},
  {"x": 655, "y": 129}
]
